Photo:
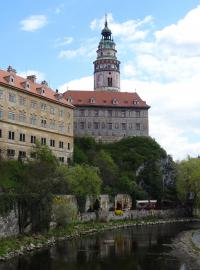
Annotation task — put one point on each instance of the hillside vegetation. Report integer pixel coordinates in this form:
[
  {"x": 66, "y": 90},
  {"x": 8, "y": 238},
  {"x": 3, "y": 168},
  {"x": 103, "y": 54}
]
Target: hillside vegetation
[{"x": 136, "y": 165}]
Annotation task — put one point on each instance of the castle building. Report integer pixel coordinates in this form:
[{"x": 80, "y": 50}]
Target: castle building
[
  {"x": 31, "y": 112},
  {"x": 107, "y": 114}
]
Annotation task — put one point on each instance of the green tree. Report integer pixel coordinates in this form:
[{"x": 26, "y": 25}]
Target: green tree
[
  {"x": 83, "y": 180},
  {"x": 108, "y": 170},
  {"x": 188, "y": 180}
]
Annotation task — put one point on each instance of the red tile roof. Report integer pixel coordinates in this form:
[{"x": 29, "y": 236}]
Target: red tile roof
[
  {"x": 105, "y": 99},
  {"x": 18, "y": 83}
]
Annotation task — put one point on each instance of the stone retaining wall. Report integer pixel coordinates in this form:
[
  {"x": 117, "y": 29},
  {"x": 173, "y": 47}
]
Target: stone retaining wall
[{"x": 9, "y": 224}]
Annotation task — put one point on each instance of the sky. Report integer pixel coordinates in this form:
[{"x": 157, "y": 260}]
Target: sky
[{"x": 158, "y": 44}]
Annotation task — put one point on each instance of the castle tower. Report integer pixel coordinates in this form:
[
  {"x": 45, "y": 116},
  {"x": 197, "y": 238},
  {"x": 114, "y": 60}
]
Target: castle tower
[{"x": 106, "y": 66}]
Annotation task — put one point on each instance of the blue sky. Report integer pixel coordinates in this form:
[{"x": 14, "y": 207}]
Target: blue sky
[{"x": 158, "y": 45}]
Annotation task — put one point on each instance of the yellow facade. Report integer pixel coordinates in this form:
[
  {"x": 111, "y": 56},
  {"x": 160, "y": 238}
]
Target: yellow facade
[{"x": 26, "y": 118}]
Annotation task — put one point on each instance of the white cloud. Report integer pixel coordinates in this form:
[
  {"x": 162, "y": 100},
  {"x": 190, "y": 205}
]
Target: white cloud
[
  {"x": 33, "y": 23},
  {"x": 130, "y": 30},
  {"x": 87, "y": 49},
  {"x": 185, "y": 32},
  {"x": 39, "y": 75},
  {"x": 63, "y": 41},
  {"x": 84, "y": 83}
]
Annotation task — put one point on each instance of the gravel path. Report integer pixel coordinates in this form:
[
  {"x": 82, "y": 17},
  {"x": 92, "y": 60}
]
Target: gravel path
[{"x": 186, "y": 249}]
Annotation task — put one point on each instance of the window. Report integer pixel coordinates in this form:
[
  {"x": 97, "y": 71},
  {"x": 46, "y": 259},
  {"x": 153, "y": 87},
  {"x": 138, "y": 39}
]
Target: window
[
  {"x": 123, "y": 126},
  {"x": 96, "y": 113},
  {"x": 96, "y": 125},
  {"x": 61, "y": 144},
  {"x": 33, "y": 119},
  {"x": 12, "y": 97},
  {"x": 68, "y": 146},
  {"x": 43, "y": 141},
  {"x": 109, "y": 125},
  {"x": 22, "y": 137},
  {"x": 61, "y": 159},
  {"x": 61, "y": 113},
  {"x": 43, "y": 122},
  {"x": 103, "y": 125},
  {"x": 75, "y": 124},
  {"x": 52, "y": 110},
  {"x": 62, "y": 127},
  {"x": 123, "y": 113},
  {"x": 109, "y": 82},
  {"x": 110, "y": 113},
  {"x": 11, "y": 115},
  {"x": 82, "y": 112},
  {"x": 137, "y": 126},
  {"x": 10, "y": 152},
  {"x": 22, "y": 100},
  {"x": 11, "y": 135},
  {"x": 43, "y": 106},
  {"x": 116, "y": 125},
  {"x": 52, "y": 143},
  {"x": 22, "y": 117},
  {"x": 89, "y": 124},
  {"x": 82, "y": 125},
  {"x": 0, "y": 133},
  {"x": 33, "y": 139},
  {"x": 22, "y": 154},
  {"x": 1, "y": 94},
  {"x": 33, "y": 104},
  {"x": 52, "y": 124},
  {"x": 130, "y": 126},
  {"x": 137, "y": 113}
]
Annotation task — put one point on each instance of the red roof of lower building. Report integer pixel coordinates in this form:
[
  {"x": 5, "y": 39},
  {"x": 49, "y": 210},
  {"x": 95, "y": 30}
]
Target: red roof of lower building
[
  {"x": 105, "y": 99},
  {"x": 40, "y": 90}
]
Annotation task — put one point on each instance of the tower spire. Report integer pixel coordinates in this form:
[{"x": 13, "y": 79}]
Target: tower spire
[{"x": 106, "y": 21}]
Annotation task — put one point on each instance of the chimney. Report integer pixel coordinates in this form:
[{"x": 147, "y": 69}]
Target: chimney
[
  {"x": 56, "y": 90},
  {"x": 32, "y": 78},
  {"x": 10, "y": 69},
  {"x": 44, "y": 83}
]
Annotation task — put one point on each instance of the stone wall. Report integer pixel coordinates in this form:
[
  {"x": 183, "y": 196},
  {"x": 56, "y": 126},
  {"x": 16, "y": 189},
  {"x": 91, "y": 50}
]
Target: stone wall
[{"x": 9, "y": 224}]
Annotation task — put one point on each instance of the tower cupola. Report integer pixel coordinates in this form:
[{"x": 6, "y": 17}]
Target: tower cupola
[{"x": 106, "y": 66}]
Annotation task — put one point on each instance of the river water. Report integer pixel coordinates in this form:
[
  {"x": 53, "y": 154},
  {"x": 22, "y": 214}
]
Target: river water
[{"x": 135, "y": 248}]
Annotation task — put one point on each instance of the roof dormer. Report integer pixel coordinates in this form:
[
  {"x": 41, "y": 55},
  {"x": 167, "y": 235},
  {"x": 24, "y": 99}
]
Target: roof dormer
[
  {"x": 69, "y": 99},
  {"x": 10, "y": 79},
  {"x": 135, "y": 102},
  {"x": 26, "y": 85},
  {"x": 41, "y": 91},
  {"x": 115, "y": 101},
  {"x": 92, "y": 100},
  {"x": 58, "y": 95}
]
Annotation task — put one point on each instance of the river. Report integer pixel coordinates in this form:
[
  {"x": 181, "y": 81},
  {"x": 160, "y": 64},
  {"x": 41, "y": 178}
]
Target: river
[{"x": 135, "y": 248}]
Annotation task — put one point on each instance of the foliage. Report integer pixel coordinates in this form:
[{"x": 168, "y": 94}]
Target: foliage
[
  {"x": 64, "y": 211},
  {"x": 83, "y": 180},
  {"x": 188, "y": 180},
  {"x": 132, "y": 165}
]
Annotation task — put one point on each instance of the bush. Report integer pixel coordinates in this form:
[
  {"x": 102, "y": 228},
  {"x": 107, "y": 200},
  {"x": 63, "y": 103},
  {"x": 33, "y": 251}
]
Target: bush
[{"x": 64, "y": 211}]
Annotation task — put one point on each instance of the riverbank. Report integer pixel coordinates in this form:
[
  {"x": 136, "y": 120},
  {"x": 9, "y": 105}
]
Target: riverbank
[
  {"x": 186, "y": 246},
  {"x": 20, "y": 245}
]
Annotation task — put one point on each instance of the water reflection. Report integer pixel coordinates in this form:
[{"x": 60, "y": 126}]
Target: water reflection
[{"x": 137, "y": 248}]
